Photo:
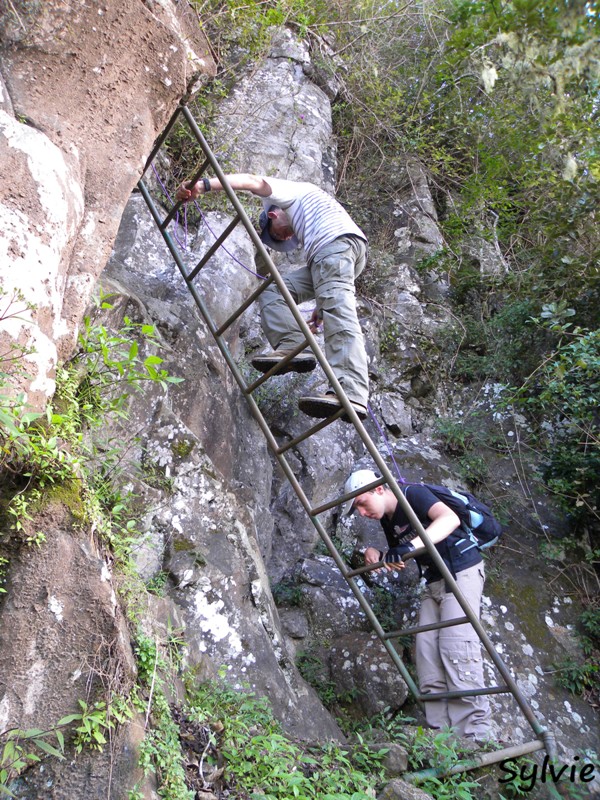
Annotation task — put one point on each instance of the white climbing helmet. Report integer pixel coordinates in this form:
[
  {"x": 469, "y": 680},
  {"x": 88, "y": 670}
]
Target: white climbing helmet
[{"x": 358, "y": 479}]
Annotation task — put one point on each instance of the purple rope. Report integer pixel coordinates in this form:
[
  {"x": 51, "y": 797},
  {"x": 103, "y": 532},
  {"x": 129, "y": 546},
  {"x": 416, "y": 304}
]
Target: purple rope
[
  {"x": 185, "y": 226},
  {"x": 184, "y": 246},
  {"x": 237, "y": 261},
  {"x": 387, "y": 444},
  {"x": 165, "y": 190}
]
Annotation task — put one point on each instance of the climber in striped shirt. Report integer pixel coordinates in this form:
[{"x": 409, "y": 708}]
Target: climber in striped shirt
[{"x": 298, "y": 213}]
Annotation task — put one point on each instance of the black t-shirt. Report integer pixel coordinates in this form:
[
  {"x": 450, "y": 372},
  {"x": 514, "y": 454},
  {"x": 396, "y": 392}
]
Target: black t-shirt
[{"x": 456, "y": 549}]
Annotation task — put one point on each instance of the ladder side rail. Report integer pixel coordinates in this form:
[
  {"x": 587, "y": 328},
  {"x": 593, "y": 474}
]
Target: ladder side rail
[
  {"x": 538, "y": 729},
  {"x": 281, "y": 285},
  {"x": 272, "y": 443},
  {"x": 326, "y": 539},
  {"x": 368, "y": 611},
  {"x": 161, "y": 140}
]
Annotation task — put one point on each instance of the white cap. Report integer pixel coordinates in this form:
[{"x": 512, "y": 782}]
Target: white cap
[{"x": 358, "y": 479}]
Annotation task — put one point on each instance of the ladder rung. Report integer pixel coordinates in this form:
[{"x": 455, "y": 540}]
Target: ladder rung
[
  {"x": 434, "y": 626},
  {"x": 277, "y": 368},
  {"x": 465, "y": 693},
  {"x": 207, "y": 256},
  {"x": 326, "y": 506},
  {"x": 476, "y": 760},
  {"x": 315, "y": 429},
  {"x": 246, "y": 304},
  {"x": 368, "y": 568}
]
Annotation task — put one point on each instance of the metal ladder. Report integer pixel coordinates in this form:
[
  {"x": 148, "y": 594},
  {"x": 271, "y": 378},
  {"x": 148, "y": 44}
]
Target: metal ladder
[{"x": 544, "y": 739}]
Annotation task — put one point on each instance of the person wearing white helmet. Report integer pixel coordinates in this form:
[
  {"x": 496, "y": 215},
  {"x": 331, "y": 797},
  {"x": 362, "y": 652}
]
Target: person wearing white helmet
[{"x": 448, "y": 659}]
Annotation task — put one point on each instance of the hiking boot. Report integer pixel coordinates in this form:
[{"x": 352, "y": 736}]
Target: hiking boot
[
  {"x": 324, "y": 405},
  {"x": 303, "y": 362}
]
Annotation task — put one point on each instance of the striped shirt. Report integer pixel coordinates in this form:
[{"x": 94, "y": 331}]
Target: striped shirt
[{"x": 316, "y": 217}]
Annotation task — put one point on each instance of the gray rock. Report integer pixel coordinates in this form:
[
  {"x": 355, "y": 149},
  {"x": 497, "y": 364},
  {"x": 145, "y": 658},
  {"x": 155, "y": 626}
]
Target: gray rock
[
  {"x": 401, "y": 790},
  {"x": 359, "y": 664}
]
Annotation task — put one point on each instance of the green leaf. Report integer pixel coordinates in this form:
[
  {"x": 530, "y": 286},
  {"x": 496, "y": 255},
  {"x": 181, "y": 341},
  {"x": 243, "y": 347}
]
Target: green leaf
[{"x": 49, "y": 749}]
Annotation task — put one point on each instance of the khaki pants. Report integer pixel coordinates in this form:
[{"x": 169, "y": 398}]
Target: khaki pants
[
  {"x": 449, "y": 659},
  {"x": 329, "y": 277}
]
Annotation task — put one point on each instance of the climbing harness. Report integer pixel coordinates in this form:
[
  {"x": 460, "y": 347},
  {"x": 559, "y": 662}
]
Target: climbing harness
[{"x": 544, "y": 738}]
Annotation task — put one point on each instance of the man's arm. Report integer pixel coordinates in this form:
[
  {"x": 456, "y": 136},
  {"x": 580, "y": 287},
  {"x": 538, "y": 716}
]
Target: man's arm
[
  {"x": 244, "y": 182},
  {"x": 443, "y": 522}
]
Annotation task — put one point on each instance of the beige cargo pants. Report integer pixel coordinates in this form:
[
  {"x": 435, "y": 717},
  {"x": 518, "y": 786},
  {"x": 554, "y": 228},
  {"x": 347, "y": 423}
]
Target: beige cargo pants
[
  {"x": 328, "y": 277},
  {"x": 449, "y": 659}
]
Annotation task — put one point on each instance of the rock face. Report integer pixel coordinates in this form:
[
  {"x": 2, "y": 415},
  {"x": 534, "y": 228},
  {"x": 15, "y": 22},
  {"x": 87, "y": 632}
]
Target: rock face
[
  {"x": 324, "y": 626},
  {"x": 221, "y": 525},
  {"x": 84, "y": 91},
  {"x": 276, "y": 121},
  {"x": 209, "y": 530},
  {"x": 63, "y": 638}
]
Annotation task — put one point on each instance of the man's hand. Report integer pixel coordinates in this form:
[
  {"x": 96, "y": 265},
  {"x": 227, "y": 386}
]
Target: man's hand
[
  {"x": 188, "y": 192},
  {"x": 394, "y": 558},
  {"x": 314, "y": 323},
  {"x": 373, "y": 556}
]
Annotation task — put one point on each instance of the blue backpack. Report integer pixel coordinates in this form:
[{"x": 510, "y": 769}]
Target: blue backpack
[{"x": 477, "y": 520}]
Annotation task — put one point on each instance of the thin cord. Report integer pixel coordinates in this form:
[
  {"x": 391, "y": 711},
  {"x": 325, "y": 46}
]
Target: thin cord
[
  {"x": 184, "y": 246},
  {"x": 387, "y": 444}
]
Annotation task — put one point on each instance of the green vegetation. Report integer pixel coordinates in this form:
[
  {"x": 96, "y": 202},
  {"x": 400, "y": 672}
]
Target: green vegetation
[
  {"x": 314, "y": 672},
  {"x": 580, "y": 676},
  {"x": 161, "y": 751},
  {"x": 96, "y": 720},
  {"x": 565, "y": 389},
  {"x": 66, "y": 455},
  {"x": 264, "y": 764},
  {"x": 496, "y": 104},
  {"x": 21, "y": 749},
  {"x": 497, "y": 101},
  {"x": 287, "y": 592}
]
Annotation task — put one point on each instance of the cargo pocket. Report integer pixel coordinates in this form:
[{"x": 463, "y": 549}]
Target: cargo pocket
[
  {"x": 464, "y": 664},
  {"x": 333, "y": 264}
]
